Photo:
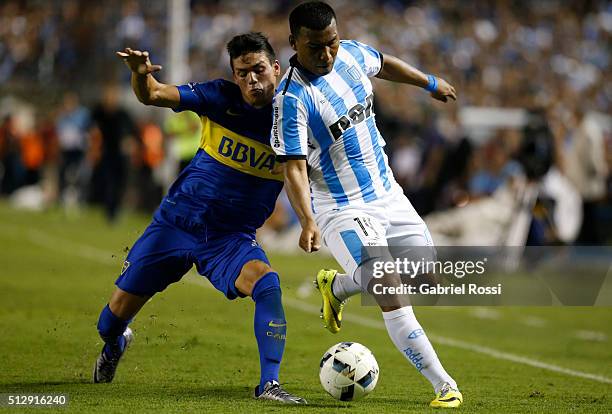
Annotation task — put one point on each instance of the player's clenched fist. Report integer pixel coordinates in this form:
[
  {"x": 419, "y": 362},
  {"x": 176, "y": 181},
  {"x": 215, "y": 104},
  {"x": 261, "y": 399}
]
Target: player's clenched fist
[
  {"x": 310, "y": 238},
  {"x": 138, "y": 61}
]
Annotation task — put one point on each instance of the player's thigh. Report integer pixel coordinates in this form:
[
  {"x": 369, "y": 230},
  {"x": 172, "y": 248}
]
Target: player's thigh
[
  {"x": 347, "y": 234},
  {"x": 414, "y": 235},
  {"x": 161, "y": 256},
  {"x": 412, "y": 243},
  {"x": 222, "y": 259},
  {"x": 400, "y": 212},
  {"x": 250, "y": 273},
  {"x": 406, "y": 227}
]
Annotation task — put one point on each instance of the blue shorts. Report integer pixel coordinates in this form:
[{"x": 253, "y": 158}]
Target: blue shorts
[{"x": 166, "y": 251}]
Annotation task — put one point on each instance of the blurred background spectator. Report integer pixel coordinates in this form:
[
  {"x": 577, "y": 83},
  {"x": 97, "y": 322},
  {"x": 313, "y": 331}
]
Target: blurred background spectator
[
  {"x": 72, "y": 126},
  {"x": 113, "y": 130},
  {"x": 533, "y": 114}
]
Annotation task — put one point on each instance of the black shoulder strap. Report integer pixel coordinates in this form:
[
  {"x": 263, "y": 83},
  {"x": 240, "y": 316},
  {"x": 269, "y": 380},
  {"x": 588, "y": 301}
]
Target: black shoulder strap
[{"x": 288, "y": 80}]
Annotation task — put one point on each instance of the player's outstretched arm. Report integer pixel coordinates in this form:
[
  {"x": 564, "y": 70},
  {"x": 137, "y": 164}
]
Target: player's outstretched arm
[
  {"x": 298, "y": 191},
  {"x": 396, "y": 70},
  {"x": 147, "y": 89}
]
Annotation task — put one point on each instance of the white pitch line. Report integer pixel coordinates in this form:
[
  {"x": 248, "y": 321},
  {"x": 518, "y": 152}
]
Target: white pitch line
[
  {"x": 533, "y": 321},
  {"x": 92, "y": 253},
  {"x": 595, "y": 336},
  {"x": 71, "y": 248},
  {"x": 305, "y": 289},
  {"x": 485, "y": 313}
]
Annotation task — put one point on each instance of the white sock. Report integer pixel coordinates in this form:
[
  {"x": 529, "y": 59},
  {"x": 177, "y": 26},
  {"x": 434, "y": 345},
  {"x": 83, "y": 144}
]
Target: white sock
[
  {"x": 409, "y": 337},
  {"x": 344, "y": 287}
]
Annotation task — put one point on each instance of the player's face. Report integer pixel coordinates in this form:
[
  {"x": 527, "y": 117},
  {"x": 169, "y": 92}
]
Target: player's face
[
  {"x": 317, "y": 49},
  {"x": 256, "y": 77}
]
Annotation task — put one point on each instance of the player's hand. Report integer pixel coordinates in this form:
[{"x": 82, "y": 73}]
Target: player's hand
[
  {"x": 310, "y": 239},
  {"x": 278, "y": 169},
  {"x": 444, "y": 91},
  {"x": 138, "y": 61}
]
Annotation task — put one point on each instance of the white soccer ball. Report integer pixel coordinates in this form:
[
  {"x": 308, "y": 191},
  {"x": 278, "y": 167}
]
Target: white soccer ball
[{"x": 348, "y": 371}]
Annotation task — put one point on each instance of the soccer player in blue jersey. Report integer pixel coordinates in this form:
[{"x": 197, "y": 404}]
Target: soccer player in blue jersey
[
  {"x": 211, "y": 212},
  {"x": 338, "y": 178}
]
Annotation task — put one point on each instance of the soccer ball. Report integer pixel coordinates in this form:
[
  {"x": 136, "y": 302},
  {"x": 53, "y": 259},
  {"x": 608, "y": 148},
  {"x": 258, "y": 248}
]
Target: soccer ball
[{"x": 348, "y": 371}]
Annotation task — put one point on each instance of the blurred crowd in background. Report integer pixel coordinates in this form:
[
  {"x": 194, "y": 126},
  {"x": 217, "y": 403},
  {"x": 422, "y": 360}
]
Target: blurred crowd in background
[{"x": 71, "y": 133}]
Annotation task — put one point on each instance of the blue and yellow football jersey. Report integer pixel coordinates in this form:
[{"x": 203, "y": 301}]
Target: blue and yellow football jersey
[{"x": 228, "y": 186}]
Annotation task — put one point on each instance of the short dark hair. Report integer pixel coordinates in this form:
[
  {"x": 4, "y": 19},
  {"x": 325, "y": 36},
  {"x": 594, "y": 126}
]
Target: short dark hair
[
  {"x": 251, "y": 42},
  {"x": 313, "y": 15}
]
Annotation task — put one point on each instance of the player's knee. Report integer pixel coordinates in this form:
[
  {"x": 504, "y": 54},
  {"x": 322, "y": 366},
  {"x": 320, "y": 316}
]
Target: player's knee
[
  {"x": 251, "y": 274},
  {"x": 268, "y": 284},
  {"x": 385, "y": 308}
]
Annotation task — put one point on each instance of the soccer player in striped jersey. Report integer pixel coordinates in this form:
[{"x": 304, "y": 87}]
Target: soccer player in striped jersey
[
  {"x": 210, "y": 214},
  {"x": 337, "y": 175}
]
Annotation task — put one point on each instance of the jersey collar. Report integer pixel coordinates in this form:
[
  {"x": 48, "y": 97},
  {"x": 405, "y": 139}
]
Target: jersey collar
[{"x": 293, "y": 61}]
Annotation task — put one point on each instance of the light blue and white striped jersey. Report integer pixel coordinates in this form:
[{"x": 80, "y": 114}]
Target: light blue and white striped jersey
[{"x": 329, "y": 121}]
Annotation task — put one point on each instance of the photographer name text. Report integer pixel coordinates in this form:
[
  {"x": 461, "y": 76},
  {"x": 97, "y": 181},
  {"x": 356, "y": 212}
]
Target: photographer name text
[{"x": 436, "y": 289}]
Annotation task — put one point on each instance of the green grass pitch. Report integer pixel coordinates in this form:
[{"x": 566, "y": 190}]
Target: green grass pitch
[{"x": 195, "y": 352}]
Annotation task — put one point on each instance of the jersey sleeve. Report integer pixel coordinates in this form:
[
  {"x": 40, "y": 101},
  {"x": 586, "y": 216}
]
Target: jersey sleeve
[
  {"x": 370, "y": 59},
  {"x": 196, "y": 97},
  {"x": 289, "y": 137}
]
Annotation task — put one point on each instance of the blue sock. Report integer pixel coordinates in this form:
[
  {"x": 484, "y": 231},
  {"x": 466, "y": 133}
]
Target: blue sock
[
  {"x": 111, "y": 328},
  {"x": 270, "y": 326}
]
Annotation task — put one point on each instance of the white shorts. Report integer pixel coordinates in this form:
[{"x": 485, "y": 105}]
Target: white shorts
[{"x": 389, "y": 221}]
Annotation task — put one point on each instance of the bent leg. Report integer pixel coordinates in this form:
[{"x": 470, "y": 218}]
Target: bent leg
[
  {"x": 402, "y": 325},
  {"x": 161, "y": 256},
  {"x": 345, "y": 238},
  {"x": 237, "y": 266}
]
